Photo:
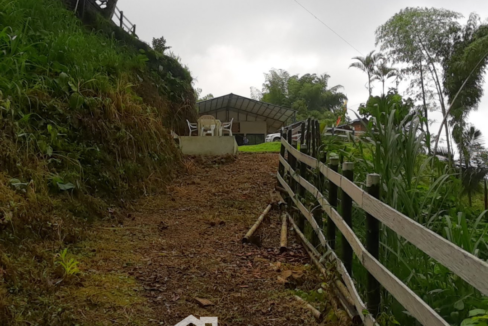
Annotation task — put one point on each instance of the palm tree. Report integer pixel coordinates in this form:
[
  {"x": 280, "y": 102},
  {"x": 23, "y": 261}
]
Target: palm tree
[
  {"x": 382, "y": 73},
  {"x": 368, "y": 65}
]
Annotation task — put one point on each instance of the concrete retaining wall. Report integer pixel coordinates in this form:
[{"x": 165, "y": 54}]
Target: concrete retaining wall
[{"x": 208, "y": 145}]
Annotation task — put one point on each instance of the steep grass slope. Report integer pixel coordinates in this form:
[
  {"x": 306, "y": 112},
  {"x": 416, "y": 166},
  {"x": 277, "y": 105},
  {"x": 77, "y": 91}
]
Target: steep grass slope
[{"x": 85, "y": 113}]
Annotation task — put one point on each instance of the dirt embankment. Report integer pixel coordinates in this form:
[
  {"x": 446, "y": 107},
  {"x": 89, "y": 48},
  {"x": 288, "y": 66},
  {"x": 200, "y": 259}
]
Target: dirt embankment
[{"x": 181, "y": 254}]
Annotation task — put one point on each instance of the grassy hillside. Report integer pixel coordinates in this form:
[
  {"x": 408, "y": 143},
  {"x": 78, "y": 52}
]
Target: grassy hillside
[{"x": 85, "y": 113}]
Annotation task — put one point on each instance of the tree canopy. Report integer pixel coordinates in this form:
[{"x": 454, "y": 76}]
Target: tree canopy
[
  {"x": 435, "y": 46},
  {"x": 309, "y": 94}
]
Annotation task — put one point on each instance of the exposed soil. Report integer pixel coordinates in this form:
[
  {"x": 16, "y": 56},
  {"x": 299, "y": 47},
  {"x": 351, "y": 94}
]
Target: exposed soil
[{"x": 181, "y": 253}]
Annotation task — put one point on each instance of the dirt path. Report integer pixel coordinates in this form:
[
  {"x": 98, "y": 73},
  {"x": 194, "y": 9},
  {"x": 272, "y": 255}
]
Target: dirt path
[{"x": 186, "y": 246}]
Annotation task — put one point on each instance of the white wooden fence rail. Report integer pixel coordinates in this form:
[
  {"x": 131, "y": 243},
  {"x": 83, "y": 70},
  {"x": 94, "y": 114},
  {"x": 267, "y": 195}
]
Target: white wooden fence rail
[{"x": 469, "y": 267}]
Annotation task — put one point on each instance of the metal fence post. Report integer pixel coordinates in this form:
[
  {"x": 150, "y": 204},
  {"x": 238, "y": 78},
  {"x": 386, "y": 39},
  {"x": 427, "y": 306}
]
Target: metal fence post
[
  {"x": 331, "y": 228},
  {"x": 121, "y": 19},
  {"x": 294, "y": 167},
  {"x": 373, "y": 245},
  {"x": 346, "y": 204}
]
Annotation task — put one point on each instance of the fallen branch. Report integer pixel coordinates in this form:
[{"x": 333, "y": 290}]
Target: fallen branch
[
  {"x": 284, "y": 236},
  {"x": 345, "y": 293},
  {"x": 314, "y": 311},
  {"x": 280, "y": 189},
  {"x": 256, "y": 225}
]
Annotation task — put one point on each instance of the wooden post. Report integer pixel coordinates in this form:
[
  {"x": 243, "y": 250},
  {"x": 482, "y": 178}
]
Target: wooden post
[
  {"x": 346, "y": 204},
  {"x": 121, "y": 19},
  {"x": 284, "y": 231},
  {"x": 134, "y": 29},
  {"x": 317, "y": 215},
  {"x": 373, "y": 245},
  {"x": 331, "y": 228},
  {"x": 256, "y": 225}
]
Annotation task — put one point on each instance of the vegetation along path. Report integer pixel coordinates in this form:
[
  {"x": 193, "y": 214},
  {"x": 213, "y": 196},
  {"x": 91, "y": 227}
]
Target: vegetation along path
[{"x": 183, "y": 252}]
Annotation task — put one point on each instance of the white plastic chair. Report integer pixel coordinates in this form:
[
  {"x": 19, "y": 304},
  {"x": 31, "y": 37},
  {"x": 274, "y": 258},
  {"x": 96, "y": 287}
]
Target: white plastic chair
[
  {"x": 192, "y": 127},
  {"x": 208, "y": 130},
  {"x": 226, "y": 126}
]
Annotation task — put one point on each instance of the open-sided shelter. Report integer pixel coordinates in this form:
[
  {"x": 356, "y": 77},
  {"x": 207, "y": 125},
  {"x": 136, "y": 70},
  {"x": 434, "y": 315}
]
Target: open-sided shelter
[{"x": 253, "y": 119}]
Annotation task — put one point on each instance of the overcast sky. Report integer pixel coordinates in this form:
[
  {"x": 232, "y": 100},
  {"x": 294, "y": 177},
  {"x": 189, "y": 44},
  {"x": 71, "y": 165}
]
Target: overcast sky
[{"x": 229, "y": 44}]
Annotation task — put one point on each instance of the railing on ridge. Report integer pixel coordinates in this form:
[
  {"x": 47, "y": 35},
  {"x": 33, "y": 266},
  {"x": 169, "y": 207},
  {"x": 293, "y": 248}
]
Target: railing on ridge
[
  {"x": 118, "y": 17},
  {"x": 295, "y": 177},
  {"x": 123, "y": 22}
]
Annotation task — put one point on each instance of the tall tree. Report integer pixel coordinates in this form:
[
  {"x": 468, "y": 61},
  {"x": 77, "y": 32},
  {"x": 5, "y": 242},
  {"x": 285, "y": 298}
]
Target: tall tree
[
  {"x": 275, "y": 87},
  {"x": 309, "y": 94},
  {"x": 368, "y": 65},
  {"x": 419, "y": 38},
  {"x": 464, "y": 65}
]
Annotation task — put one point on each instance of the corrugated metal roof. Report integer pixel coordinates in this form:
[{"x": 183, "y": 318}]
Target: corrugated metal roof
[{"x": 275, "y": 115}]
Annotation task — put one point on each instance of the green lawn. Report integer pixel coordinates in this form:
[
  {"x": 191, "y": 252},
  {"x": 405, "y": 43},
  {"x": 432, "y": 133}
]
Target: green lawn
[{"x": 261, "y": 148}]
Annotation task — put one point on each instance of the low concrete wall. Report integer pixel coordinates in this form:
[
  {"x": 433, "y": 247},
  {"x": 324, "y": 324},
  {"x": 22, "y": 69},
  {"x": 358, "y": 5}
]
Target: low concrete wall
[{"x": 208, "y": 145}]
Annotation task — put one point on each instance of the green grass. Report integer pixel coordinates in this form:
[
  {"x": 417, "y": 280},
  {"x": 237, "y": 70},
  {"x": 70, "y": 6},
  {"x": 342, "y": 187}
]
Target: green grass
[
  {"x": 84, "y": 126},
  {"x": 273, "y": 147}
]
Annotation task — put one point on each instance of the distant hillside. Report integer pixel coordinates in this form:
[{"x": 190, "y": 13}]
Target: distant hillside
[{"x": 85, "y": 114}]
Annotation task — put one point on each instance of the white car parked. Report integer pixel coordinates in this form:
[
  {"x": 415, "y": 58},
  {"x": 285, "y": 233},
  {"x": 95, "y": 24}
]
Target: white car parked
[{"x": 273, "y": 137}]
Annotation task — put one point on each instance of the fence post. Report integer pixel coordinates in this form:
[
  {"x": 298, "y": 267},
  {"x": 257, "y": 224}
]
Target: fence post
[
  {"x": 313, "y": 151},
  {"x": 322, "y": 179},
  {"x": 282, "y": 154},
  {"x": 291, "y": 158},
  {"x": 134, "y": 29},
  {"x": 303, "y": 171},
  {"x": 121, "y": 19},
  {"x": 317, "y": 133},
  {"x": 309, "y": 149},
  {"x": 346, "y": 204},
  {"x": 294, "y": 166},
  {"x": 318, "y": 213},
  {"x": 373, "y": 245},
  {"x": 331, "y": 228}
]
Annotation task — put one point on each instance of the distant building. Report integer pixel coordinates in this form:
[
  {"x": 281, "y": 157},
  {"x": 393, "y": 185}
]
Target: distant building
[
  {"x": 356, "y": 127},
  {"x": 252, "y": 119}
]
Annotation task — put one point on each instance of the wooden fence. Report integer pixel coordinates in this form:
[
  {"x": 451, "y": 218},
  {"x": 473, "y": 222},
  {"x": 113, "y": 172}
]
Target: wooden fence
[
  {"x": 108, "y": 10},
  {"x": 296, "y": 178},
  {"x": 124, "y": 23}
]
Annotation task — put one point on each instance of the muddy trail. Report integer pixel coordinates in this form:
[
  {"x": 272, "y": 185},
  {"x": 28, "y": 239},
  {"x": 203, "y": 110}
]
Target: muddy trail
[{"x": 182, "y": 253}]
